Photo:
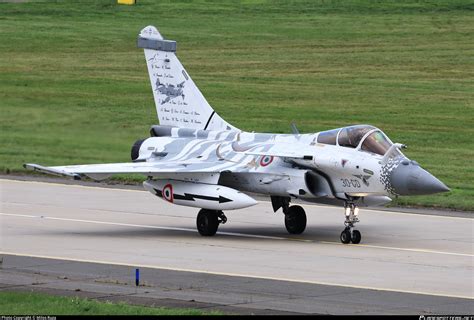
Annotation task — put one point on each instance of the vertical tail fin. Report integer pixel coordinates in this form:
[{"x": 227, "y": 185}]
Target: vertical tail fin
[{"x": 178, "y": 100}]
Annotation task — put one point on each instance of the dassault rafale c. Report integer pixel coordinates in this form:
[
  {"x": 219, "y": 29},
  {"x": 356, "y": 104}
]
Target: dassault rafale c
[{"x": 195, "y": 158}]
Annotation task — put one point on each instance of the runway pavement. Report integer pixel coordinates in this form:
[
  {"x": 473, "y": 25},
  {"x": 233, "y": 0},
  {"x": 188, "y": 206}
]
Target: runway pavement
[{"x": 411, "y": 263}]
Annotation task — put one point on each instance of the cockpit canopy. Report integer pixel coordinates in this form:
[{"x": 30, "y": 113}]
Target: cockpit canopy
[{"x": 363, "y": 137}]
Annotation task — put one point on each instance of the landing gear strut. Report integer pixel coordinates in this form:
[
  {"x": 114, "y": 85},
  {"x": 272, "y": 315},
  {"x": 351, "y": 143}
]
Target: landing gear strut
[
  {"x": 208, "y": 221},
  {"x": 352, "y": 217}
]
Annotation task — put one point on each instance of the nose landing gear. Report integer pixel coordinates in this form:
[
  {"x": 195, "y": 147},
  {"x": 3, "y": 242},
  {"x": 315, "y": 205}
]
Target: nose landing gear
[{"x": 349, "y": 234}]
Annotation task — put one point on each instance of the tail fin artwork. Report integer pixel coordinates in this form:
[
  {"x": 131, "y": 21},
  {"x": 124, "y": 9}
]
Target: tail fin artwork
[{"x": 178, "y": 101}]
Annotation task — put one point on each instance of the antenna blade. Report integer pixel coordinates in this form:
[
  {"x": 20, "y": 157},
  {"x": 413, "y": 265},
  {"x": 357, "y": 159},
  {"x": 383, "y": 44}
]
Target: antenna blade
[{"x": 294, "y": 129}]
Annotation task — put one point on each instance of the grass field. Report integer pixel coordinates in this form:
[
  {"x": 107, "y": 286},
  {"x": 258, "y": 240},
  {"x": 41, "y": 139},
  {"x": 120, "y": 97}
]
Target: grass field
[
  {"x": 74, "y": 87},
  {"x": 21, "y": 303}
]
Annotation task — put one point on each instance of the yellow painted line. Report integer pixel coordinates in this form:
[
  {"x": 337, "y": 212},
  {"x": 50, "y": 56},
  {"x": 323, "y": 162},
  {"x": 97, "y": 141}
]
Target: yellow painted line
[
  {"x": 418, "y": 250},
  {"x": 103, "y": 262},
  {"x": 364, "y": 210},
  {"x": 236, "y": 234},
  {"x": 260, "y": 201},
  {"x": 370, "y": 210}
]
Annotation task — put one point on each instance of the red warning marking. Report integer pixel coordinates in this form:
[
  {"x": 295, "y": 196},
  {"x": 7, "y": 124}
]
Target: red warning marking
[
  {"x": 266, "y": 160},
  {"x": 168, "y": 193}
]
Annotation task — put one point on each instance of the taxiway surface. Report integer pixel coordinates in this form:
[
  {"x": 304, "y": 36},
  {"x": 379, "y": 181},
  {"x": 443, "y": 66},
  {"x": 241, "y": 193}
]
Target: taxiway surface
[{"x": 424, "y": 257}]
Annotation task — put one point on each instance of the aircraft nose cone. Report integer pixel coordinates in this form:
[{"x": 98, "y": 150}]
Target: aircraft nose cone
[{"x": 411, "y": 179}]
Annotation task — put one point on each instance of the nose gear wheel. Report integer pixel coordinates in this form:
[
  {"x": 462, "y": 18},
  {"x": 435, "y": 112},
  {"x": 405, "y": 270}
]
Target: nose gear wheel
[{"x": 350, "y": 234}]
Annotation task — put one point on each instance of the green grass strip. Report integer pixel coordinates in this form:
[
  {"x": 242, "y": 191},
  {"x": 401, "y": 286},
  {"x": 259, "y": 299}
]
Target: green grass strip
[{"x": 21, "y": 303}]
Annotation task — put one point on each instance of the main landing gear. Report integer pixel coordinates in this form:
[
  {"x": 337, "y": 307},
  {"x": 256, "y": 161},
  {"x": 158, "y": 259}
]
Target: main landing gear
[
  {"x": 295, "y": 219},
  {"x": 352, "y": 217},
  {"x": 208, "y": 221}
]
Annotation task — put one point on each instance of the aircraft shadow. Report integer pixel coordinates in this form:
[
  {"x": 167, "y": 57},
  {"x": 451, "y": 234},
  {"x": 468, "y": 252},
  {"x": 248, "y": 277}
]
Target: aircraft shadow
[{"x": 322, "y": 233}]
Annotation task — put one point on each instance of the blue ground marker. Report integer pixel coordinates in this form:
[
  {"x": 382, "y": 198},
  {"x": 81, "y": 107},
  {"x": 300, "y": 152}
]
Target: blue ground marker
[{"x": 137, "y": 277}]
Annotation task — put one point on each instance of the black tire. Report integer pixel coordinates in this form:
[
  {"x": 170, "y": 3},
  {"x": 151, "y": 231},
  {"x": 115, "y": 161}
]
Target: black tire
[
  {"x": 356, "y": 237},
  {"x": 207, "y": 222},
  {"x": 295, "y": 220},
  {"x": 346, "y": 236}
]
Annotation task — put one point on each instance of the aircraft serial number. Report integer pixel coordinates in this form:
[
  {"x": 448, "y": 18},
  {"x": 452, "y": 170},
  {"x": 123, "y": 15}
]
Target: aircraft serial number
[{"x": 346, "y": 183}]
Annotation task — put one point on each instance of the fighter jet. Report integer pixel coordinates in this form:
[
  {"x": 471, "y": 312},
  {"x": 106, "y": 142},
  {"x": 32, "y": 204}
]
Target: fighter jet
[{"x": 195, "y": 158}]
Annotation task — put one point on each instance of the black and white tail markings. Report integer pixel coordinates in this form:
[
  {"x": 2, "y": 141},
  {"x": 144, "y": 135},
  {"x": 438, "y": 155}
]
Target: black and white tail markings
[{"x": 173, "y": 89}]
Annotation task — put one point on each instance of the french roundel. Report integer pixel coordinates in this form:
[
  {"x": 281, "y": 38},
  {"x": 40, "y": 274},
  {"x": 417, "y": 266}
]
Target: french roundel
[
  {"x": 168, "y": 193},
  {"x": 266, "y": 160}
]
